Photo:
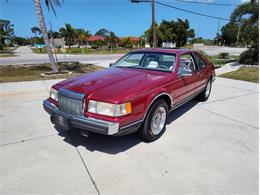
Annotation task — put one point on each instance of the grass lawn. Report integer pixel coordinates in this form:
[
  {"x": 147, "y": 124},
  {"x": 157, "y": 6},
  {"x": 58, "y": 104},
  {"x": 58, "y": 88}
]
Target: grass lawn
[
  {"x": 33, "y": 72},
  {"x": 7, "y": 52},
  {"x": 221, "y": 62},
  {"x": 4, "y": 55},
  {"x": 83, "y": 51},
  {"x": 244, "y": 73}
]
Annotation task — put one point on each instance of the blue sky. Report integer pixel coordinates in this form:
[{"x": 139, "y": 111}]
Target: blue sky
[{"x": 120, "y": 16}]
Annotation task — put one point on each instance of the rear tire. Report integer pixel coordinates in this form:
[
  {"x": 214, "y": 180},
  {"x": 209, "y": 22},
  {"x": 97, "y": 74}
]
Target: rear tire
[
  {"x": 206, "y": 92},
  {"x": 155, "y": 121}
]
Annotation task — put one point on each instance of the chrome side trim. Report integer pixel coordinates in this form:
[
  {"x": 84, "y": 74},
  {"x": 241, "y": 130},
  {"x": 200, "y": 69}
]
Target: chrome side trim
[
  {"x": 131, "y": 124},
  {"x": 185, "y": 100}
]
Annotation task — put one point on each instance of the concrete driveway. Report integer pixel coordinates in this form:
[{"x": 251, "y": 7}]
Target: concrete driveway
[{"x": 208, "y": 148}]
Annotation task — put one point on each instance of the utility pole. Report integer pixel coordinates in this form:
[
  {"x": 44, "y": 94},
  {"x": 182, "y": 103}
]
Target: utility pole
[
  {"x": 218, "y": 26},
  {"x": 153, "y": 17},
  {"x": 153, "y": 24}
]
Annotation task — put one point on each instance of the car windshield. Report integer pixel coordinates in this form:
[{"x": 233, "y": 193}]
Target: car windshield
[{"x": 148, "y": 60}]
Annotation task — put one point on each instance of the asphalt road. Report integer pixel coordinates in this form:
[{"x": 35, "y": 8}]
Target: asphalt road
[
  {"x": 215, "y": 50},
  {"x": 208, "y": 148},
  {"x": 24, "y": 55}
]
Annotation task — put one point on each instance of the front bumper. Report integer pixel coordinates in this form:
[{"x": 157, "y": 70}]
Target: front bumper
[{"x": 89, "y": 124}]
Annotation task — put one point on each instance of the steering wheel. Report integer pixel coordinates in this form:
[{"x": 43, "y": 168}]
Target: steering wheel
[{"x": 163, "y": 67}]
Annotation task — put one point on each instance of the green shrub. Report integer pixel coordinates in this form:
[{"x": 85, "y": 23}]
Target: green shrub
[
  {"x": 223, "y": 55},
  {"x": 250, "y": 56},
  {"x": 94, "y": 47}
]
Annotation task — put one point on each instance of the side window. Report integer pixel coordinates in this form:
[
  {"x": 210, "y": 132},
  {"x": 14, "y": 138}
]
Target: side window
[
  {"x": 186, "y": 63},
  {"x": 201, "y": 64}
]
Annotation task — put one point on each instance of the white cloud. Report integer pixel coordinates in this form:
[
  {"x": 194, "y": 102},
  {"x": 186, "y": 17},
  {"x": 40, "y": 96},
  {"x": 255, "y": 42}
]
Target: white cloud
[{"x": 244, "y": 1}]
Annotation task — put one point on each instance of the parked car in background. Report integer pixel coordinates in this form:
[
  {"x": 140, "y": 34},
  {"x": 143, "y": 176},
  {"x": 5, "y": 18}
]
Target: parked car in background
[{"x": 134, "y": 95}]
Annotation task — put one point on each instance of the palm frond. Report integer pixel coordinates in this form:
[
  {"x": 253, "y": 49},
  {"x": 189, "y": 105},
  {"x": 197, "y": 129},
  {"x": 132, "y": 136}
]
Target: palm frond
[{"x": 50, "y": 3}]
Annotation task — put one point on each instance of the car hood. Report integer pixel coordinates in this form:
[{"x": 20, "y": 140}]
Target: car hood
[{"x": 116, "y": 84}]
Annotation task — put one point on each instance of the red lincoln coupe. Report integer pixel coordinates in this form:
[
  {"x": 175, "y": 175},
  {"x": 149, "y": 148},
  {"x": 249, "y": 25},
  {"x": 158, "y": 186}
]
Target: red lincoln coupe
[{"x": 134, "y": 95}]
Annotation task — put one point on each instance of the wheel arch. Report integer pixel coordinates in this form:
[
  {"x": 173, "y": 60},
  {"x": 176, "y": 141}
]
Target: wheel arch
[{"x": 165, "y": 96}]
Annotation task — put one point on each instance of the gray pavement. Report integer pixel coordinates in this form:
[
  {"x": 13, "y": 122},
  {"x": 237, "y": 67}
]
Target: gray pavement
[
  {"x": 215, "y": 50},
  {"x": 208, "y": 148},
  {"x": 24, "y": 55},
  {"x": 229, "y": 67}
]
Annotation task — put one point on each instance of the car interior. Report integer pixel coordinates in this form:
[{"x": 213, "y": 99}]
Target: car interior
[
  {"x": 150, "y": 61},
  {"x": 186, "y": 64}
]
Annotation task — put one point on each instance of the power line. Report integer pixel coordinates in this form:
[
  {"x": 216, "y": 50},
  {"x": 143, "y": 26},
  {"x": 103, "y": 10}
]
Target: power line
[
  {"x": 191, "y": 12},
  {"x": 206, "y": 3}
]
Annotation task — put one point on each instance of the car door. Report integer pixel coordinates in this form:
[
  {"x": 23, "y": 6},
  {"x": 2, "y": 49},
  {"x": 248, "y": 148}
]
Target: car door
[
  {"x": 202, "y": 74},
  {"x": 186, "y": 83}
]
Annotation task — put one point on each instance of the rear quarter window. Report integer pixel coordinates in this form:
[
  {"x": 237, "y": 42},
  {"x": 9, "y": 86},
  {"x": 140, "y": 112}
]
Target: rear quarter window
[{"x": 199, "y": 61}]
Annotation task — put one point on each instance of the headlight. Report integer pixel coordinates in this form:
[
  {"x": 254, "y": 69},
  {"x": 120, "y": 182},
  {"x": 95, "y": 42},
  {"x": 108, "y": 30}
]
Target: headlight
[
  {"x": 54, "y": 94},
  {"x": 109, "y": 109}
]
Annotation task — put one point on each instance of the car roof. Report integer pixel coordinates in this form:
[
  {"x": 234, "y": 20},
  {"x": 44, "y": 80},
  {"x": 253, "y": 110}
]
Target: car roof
[{"x": 164, "y": 50}]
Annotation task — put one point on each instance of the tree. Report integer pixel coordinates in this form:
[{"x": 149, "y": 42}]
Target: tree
[
  {"x": 6, "y": 32},
  {"x": 81, "y": 36},
  {"x": 54, "y": 34},
  {"x": 38, "y": 6},
  {"x": 36, "y": 40},
  {"x": 228, "y": 33},
  {"x": 102, "y": 32},
  {"x": 172, "y": 31},
  {"x": 168, "y": 30},
  {"x": 149, "y": 35},
  {"x": 141, "y": 41},
  {"x": 21, "y": 41},
  {"x": 183, "y": 32},
  {"x": 126, "y": 43},
  {"x": 111, "y": 39},
  {"x": 243, "y": 26},
  {"x": 35, "y": 30},
  {"x": 69, "y": 34},
  {"x": 249, "y": 9}
]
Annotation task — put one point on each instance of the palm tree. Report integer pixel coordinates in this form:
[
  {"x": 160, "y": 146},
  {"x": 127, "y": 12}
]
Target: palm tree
[
  {"x": 35, "y": 30},
  {"x": 249, "y": 9},
  {"x": 142, "y": 41},
  {"x": 43, "y": 28},
  {"x": 69, "y": 34},
  {"x": 112, "y": 39},
  {"x": 81, "y": 36},
  {"x": 251, "y": 12}
]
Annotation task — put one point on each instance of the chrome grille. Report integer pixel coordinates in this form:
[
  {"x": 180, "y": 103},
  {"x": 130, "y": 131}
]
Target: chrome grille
[{"x": 70, "y": 102}]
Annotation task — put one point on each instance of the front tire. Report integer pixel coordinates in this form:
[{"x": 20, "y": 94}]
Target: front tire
[
  {"x": 155, "y": 121},
  {"x": 204, "y": 96}
]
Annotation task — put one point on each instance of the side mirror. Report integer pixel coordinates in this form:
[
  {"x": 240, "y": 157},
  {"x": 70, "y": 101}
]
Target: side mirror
[{"x": 111, "y": 64}]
